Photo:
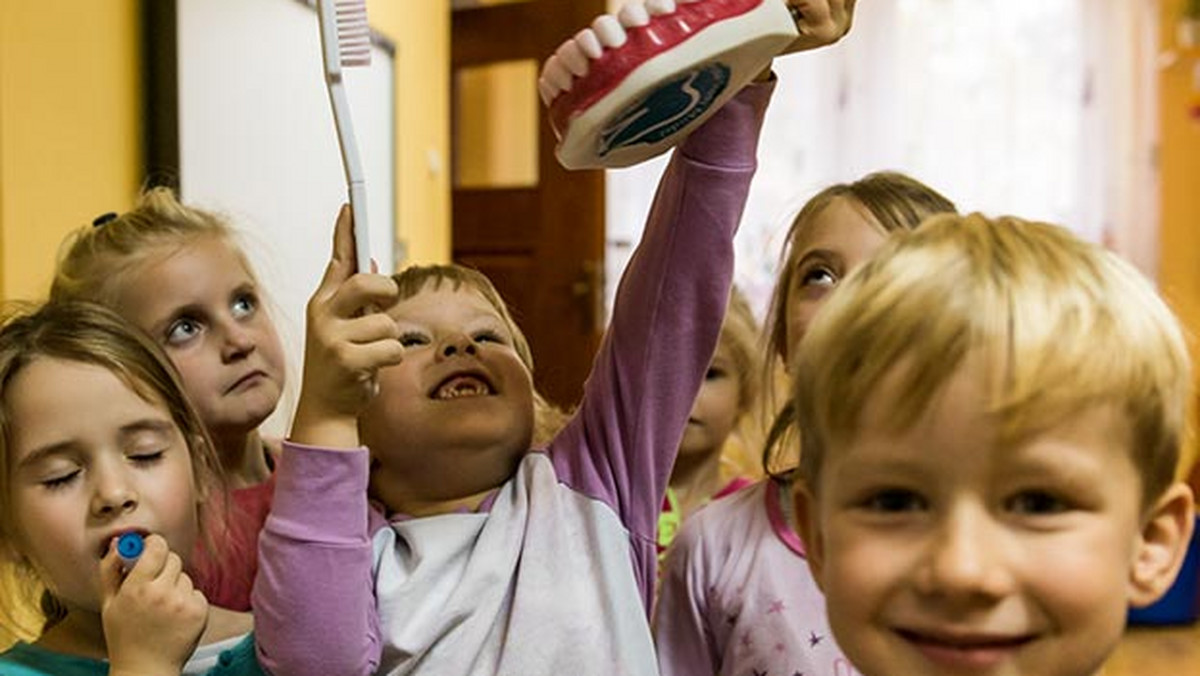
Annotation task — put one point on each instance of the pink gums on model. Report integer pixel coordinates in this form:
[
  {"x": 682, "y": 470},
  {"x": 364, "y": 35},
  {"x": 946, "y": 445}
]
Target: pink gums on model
[{"x": 663, "y": 33}]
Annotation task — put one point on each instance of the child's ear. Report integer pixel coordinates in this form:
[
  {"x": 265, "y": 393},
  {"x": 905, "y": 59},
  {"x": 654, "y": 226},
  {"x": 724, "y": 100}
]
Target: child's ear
[
  {"x": 1161, "y": 545},
  {"x": 804, "y": 505}
]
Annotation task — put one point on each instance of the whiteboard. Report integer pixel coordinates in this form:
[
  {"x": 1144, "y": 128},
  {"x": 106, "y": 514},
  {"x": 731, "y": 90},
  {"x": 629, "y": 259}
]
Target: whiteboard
[{"x": 257, "y": 143}]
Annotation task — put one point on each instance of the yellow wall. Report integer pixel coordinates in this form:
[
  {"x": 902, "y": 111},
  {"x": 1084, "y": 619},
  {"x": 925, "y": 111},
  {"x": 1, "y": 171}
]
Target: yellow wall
[
  {"x": 421, "y": 31},
  {"x": 70, "y": 136},
  {"x": 1179, "y": 243}
]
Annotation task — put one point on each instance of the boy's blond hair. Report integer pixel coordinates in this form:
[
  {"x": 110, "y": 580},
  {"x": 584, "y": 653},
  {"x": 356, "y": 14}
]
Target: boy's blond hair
[{"x": 1058, "y": 324}]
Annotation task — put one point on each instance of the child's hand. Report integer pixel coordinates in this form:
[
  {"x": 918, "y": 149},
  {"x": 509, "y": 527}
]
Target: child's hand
[
  {"x": 152, "y": 616},
  {"x": 820, "y": 22},
  {"x": 348, "y": 340}
]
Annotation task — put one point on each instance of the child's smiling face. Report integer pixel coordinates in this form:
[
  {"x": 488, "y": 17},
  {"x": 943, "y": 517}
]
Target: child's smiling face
[
  {"x": 944, "y": 550},
  {"x": 454, "y": 417},
  {"x": 91, "y": 458}
]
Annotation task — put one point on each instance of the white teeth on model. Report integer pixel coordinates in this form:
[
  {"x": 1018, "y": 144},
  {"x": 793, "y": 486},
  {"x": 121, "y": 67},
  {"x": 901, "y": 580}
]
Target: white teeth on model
[
  {"x": 546, "y": 90},
  {"x": 571, "y": 59},
  {"x": 571, "y": 55},
  {"x": 609, "y": 31},
  {"x": 589, "y": 44},
  {"x": 557, "y": 74},
  {"x": 633, "y": 14},
  {"x": 657, "y": 7}
]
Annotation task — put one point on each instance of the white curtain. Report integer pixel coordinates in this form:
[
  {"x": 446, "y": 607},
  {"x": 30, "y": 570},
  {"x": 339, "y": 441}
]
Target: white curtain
[{"x": 1043, "y": 109}]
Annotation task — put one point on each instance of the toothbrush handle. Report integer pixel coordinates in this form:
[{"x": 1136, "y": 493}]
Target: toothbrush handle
[
  {"x": 362, "y": 237},
  {"x": 355, "y": 181}
]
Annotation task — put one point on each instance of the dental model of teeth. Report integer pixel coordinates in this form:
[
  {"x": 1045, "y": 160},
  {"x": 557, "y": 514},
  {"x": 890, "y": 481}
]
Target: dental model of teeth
[{"x": 632, "y": 86}]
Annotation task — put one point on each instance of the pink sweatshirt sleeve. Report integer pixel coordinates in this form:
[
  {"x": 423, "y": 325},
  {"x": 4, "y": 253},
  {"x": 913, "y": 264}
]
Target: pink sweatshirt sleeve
[
  {"x": 315, "y": 568},
  {"x": 621, "y": 444}
]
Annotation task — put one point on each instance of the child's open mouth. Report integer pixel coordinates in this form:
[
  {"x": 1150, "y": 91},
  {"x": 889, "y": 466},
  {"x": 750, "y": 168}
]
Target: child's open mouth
[{"x": 462, "y": 386}]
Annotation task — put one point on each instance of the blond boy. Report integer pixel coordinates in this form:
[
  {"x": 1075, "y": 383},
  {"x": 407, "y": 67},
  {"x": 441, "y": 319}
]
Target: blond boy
[{"x": 991, "y": 413}]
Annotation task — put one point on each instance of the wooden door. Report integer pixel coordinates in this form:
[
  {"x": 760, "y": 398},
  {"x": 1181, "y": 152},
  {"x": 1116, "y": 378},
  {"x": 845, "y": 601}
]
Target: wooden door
[{"x": 539, "y": 238}]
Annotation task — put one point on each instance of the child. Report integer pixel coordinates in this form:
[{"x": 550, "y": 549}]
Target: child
[
  {"x": 177, "y": 273},
  {"x": 728, "y": 393},
  {"x": 484, "y": 557},
  {"x": 97, "y": 439},
  {"x": 731, "y": 582},
  {"x": 991, "y": 414}
]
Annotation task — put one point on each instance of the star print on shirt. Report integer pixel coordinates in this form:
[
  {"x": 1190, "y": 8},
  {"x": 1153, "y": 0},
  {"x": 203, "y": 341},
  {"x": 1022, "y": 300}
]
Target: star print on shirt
[
  {"x": 813, "y": 639},
  {"x": 776, "y": 607}
]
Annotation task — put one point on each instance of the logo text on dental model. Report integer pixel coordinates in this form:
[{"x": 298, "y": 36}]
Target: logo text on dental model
[{"x": 667, "y": 109}]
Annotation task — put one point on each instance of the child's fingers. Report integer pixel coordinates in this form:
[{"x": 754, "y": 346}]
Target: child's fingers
[
  {"x": 370, "y": 329},
  {"x": 821, "y": 22},
  {"x": 341, "y": 260},
  {"x": 112, "y": 572},
  {"x": 150, "y": 564},
  {"x": 343, "y": 237},
  {"x": 366, "y": 358},
  {"x": 360, "y": 292},
  {"x": 172, "y": 569}
]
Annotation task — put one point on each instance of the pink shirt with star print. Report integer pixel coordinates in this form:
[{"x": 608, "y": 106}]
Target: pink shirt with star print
[{"x": 737, "y": 598}]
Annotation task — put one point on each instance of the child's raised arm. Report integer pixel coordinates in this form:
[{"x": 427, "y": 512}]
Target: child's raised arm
[
  {"x": 347, "y": 342},
  {"x": 345, "y": 345},
  {"x": 668, "y": 312}
]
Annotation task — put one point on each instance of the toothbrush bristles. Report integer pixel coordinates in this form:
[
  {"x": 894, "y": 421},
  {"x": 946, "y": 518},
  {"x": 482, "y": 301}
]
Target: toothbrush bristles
[{"x": 353, "y": 32}]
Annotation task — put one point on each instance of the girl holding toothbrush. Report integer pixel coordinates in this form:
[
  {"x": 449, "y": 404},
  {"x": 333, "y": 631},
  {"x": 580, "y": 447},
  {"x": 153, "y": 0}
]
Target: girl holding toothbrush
[{"x": 97, "y": 442}]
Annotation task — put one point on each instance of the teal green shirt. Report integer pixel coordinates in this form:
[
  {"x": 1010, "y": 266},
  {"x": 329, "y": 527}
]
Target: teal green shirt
[{"x": 227, "y": 658}]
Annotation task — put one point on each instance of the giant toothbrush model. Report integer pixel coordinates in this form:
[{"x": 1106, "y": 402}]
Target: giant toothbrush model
[{"x": 345, "y": 43}]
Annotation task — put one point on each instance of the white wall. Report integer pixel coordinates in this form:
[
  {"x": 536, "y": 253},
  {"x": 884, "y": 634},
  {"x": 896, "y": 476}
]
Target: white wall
[{"x": 257, "y": 142}]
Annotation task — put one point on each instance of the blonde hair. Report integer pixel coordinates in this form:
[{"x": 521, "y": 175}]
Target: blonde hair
[
  {"x": 898, "y": 203},
  {"x": 94, "y": 261},
  {"x": 89, "y": 333},
  {"x": 1059, "y": 324},
  {"x": 741, "y": 336},
  {"x": 548, "y": 419}
]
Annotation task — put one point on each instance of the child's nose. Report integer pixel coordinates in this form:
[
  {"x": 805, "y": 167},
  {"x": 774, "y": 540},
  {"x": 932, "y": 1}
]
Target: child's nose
[
  {"x": 965, "y": 559},
  {"x": 238, "y": 340},
  {"x": 113, "y": 494},
  {"x": 457, "y": 345}
]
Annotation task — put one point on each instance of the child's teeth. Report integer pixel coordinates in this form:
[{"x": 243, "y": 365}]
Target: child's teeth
[
  {"x": 589, "y": 44},
  {"x": 656, "y": 7},
  {"x": 572, "y": 56},
  {"x": 633, "y": 14},
  {"x": 608, "y": 31}
]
